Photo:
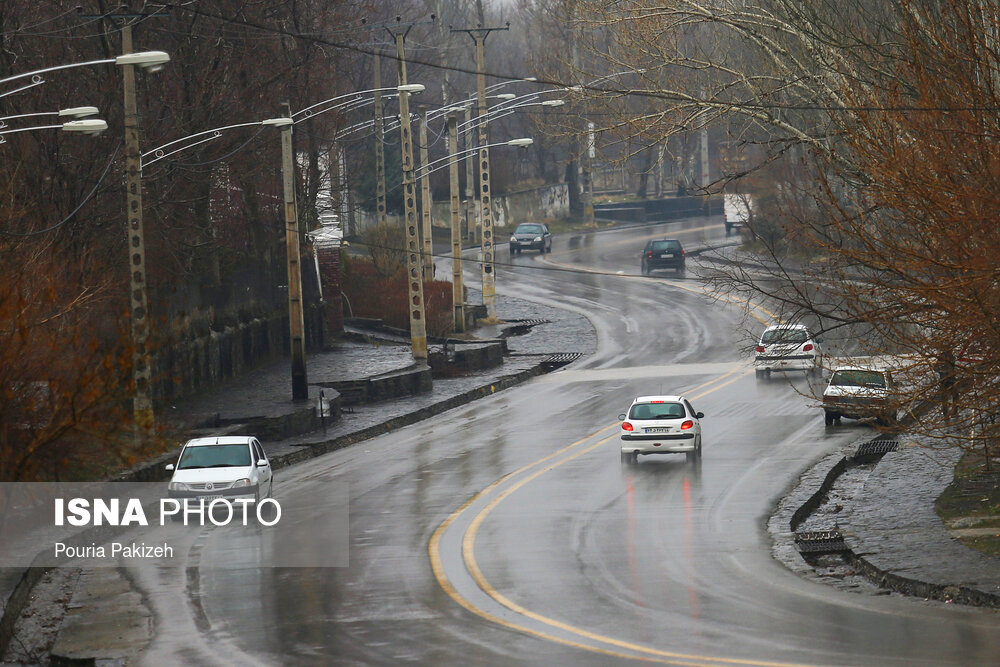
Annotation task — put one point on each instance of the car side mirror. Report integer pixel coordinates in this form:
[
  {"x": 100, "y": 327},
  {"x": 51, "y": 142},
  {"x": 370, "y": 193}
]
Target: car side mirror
[
  {"x": 170, "y": 466},
  {"x": 621, "y": 417},
  {"x": 262, "y": 463},
  {"x": 700, "y": 415}
]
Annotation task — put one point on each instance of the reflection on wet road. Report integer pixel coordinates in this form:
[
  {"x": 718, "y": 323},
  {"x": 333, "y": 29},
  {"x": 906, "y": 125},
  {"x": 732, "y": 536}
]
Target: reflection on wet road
[{"x": 508, "y": 531}]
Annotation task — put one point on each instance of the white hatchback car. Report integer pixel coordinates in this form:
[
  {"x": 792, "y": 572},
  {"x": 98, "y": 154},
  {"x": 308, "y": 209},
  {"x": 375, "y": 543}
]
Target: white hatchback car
[
  {"x": 788, "y": 347},
  {"x": 230, "y": 466},
  {"x": 660, "y": 425}
]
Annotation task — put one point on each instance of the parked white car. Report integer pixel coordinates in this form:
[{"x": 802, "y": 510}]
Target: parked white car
[
  {"x": 660, "y": 425},
  {"x": 788, "y": 347},
  {"x": 860, "y": 393},
  {"x": 231, "y": 466}
]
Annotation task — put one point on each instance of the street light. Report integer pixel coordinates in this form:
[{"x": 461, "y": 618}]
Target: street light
[
  {"x": 73, "y": 112},
  {"x": 142, "y": 403},
  {"x": 90, "y": 126},
  {"x": 296, "y": 316}
]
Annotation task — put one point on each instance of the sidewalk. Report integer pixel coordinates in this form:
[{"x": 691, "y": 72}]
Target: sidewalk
[{"x": 902, "y": 544}]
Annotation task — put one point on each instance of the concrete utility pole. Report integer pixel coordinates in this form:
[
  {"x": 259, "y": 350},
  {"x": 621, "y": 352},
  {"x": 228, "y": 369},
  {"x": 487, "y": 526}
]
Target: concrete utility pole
[
  {"x": 379, "y": 146},
  {"x": 426, "y": 229},
  {"x": 296, "y": 318},
  {"x": 457, "y": 287},
  {"x": 142, "y": 402},
  {"x": 415, "y": 302},
  {"x": 487, "y": 246}
]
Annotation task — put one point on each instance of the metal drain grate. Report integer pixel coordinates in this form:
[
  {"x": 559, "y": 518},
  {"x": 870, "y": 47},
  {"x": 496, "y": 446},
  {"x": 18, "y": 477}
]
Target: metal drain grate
[
  {"x": 560, "y": 359},
  {"x": 876, "y": 448},
  {"x": 820, "y": 541}
]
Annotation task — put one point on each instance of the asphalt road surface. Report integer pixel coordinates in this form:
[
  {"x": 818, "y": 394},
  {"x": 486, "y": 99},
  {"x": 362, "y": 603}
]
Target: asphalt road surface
[{"x": 508, "y": 531}]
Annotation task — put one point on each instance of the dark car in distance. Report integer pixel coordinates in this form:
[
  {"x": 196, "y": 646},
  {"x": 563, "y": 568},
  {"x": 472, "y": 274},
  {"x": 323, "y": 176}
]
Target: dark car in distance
[
  {"x": 531, "y": 236},
  {"x": 663, "y": 254}
]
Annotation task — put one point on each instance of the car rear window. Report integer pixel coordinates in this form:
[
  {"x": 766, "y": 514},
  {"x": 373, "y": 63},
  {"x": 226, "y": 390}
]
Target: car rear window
[
  {"x": 785, "y": 336},
  {"x": 528, "y": 229},
  {"x": 858, "y": 378},
  {"x": 666, "y": 246},
  {"x": 657, "y": 411},
  {"x": 215, "y": 456}
]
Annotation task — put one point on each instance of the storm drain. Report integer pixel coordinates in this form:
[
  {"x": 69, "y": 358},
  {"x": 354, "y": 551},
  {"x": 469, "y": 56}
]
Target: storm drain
[
  {"x": 820, "y": 542},
  {"x": 559, "y": 360},
  {"x": 876, "y": 448},
  {"x": 520, "y": 327}
]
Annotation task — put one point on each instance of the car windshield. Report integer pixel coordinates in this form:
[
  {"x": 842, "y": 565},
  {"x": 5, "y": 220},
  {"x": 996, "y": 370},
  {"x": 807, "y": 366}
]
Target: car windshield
[
  {"x": 668, "y": 246},
  {"x": 858, "y": 378},
  {"x": 528, "y": 229},
  {"x": 657, "y": 411},
  {"x": 215, "y": 456},
  {"x": 784, "y": 336}
]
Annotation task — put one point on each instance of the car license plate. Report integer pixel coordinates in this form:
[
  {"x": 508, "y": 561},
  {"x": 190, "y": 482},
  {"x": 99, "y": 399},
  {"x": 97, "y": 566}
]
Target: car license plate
[
  {"x": 208, "y": 498},
  {"x": 657, "y": 430},
  {"x": 667, "y": 255}
]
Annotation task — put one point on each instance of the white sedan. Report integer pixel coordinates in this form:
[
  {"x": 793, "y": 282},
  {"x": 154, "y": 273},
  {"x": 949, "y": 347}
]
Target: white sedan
[{"x": 660, "y": 425}]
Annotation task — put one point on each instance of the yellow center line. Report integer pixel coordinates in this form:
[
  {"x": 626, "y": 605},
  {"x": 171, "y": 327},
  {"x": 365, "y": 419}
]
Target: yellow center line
[{"x": 645, "y": 653}]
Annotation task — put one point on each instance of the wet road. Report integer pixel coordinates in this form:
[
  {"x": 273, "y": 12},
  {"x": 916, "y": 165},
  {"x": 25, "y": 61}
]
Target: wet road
[{"x": 508, "y": 530}]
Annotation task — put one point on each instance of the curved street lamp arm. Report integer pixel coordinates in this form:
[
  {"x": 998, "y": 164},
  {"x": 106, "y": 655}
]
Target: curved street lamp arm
[
  {"x": 39, "y": 82},
  {"x": 340, "y": 97},
  {"x": 160, "y": 153},
  {"x": 56, "y": 69}
]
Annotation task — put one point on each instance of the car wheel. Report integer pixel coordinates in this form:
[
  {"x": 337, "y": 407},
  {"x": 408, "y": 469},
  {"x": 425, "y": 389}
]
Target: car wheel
[
  {"x": 828, "y": 418},
  {"x": 760, "y": 375},
  {"x": 645, "y": 270}
]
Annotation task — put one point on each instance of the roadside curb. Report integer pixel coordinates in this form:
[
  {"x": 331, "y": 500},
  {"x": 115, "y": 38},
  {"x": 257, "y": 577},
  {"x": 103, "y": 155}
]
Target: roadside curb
[
  {"x": 884, "y": 578},
  {"x": 318, "y": 449}
]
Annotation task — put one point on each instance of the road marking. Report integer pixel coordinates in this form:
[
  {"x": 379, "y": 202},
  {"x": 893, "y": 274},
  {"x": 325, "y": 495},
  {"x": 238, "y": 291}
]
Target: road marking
[{"x": 637, "y": 651}]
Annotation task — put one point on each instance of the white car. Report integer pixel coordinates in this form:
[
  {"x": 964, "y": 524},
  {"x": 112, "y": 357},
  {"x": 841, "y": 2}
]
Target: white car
[
  {"x": 788, "y": 347},
  {"x": 230, "y": 466},
  {"x": 660, "y": 425},
  {"x": 861, "y": 392}
]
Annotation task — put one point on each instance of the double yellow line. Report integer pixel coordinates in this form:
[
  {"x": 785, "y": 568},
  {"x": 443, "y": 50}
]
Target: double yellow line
[{"x": 571, "y": 635}]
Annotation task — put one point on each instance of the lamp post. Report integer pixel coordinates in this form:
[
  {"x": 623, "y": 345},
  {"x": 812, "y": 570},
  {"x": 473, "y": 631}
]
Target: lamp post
[
  {"x": 142, "y": 403},
  {"x": 296, "y": 316},
  {"x": 453, "y": 158},
  {"x": 91, "y": 126}
]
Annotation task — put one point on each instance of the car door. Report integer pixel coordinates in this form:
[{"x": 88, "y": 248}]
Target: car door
[{"x": 264, "y": 472}]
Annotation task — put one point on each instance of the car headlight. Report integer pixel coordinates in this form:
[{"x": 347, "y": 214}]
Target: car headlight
[
  {"x": 513, "y": 239},
  {"x": 241, "y": 483},
  {"x": 177, "y": 486},
  {"x": 537, "y": 239}
]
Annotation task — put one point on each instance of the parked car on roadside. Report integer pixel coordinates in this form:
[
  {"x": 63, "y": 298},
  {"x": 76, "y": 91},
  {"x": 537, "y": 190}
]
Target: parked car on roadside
[
  {"x": 660, "y": 425},
  {"x": 231, "y": 466},
  {"x": 861, "y": 392},
  {"x": 787, "y": 347},
  {"x": 662, "y": 254},
  {"x": 531, "y": 236}
]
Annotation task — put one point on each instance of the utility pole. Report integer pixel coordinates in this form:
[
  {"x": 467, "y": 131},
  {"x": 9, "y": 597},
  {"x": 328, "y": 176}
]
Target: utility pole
[
  {"x": 296, "y": 318},
  {"x": 489, "y": 291},
  {"x": 425, "y": 201},
  {"x": 415, "y": 302},
  {"x": 457, "y": 288},
  {"x": 142, "y": 401},
  {"x": 379, "y": 146}
]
